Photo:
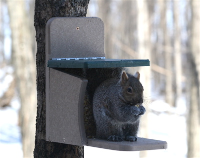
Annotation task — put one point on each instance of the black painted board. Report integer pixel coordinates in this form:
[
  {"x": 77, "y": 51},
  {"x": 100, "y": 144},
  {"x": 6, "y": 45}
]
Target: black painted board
[{"x": 101, "y": 63}]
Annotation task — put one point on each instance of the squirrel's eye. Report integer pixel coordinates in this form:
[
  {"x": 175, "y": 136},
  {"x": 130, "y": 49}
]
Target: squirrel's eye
[{"x": 129, "y": 90}]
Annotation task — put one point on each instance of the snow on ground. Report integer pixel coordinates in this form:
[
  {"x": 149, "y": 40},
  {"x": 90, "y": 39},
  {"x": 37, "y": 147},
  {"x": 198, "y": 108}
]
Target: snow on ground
[
  {"x": 165, "y": 123},
  {"x": 10, "y": 136}
]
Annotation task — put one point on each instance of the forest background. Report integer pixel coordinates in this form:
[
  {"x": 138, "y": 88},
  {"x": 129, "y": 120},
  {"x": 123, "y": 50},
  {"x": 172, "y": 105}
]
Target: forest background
[{"x": 164, "y": 31}]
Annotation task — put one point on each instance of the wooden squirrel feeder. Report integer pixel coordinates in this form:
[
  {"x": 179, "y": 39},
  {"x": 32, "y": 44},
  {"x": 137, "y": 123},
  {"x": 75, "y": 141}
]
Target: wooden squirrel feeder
[{"x": 79, "y": 43}]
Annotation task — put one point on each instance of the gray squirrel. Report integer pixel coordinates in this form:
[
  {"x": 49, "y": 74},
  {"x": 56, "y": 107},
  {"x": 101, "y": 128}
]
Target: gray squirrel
[{"x": 117, "y": 107}]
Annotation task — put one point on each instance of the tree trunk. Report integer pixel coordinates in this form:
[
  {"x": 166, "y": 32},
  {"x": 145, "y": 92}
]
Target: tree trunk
[
  {"x": 2, "y": 57},
  {"x": 126, "y": 30},
  {"x": 193, "y": 117},
  {"x": 104, "y": 14},
  {"x": 177, "y": 52},
  {"x": 166, "y": 48},
  {"x": 144, "y": 52},
  {"x": 44, "y": 10},
  {"x": 168, "y": 60},
  {"x": 194, "y": 78},
  {"x": 25, "y": 72}
]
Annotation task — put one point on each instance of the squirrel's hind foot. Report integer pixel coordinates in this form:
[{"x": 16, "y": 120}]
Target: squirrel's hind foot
[
  {"x": 131, "y": 138},
  {"x": 115, "y": 138}
]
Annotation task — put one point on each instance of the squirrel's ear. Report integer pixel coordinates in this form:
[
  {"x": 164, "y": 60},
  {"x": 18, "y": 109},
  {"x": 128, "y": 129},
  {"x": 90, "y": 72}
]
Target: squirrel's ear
[
  {"x": 137, "y": 75},
  {"x": 124, "y": 77}
]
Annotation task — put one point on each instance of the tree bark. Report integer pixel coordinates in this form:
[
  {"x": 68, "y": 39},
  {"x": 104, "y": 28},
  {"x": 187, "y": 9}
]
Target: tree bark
[
  {"x": 166, "y": 49},
  {"x": 193, "y": 117},
  {"x": 44, "y": 10},
  {"x": 126, "y": 31},
  {"x": 168, "y": 59},
  {"x": 25, "y": 73},
  {"x": 2, "y": 57},
  {"x": 104, "y": 14},
  {"x": 143, "y": 29},
  {"x": 177, "y": 53},
  {"x": 194, "y": 82}
]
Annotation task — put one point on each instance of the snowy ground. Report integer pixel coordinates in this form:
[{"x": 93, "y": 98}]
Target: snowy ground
[
  {"x": 166, "y": 123},
  {"x": 10, "y": 136}
]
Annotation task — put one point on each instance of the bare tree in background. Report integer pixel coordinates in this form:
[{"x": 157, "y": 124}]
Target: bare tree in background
[
  {"x": 25, "y": 71},
  {"x": 194, "y": 81},
  {"x": 168, "y": 58},
  {"x": 126, "y": 30},
  {"x": 144, "y": 47},
  {"x": 177, "y": 52},
  {"x": 104, "y": 13},
  {"x": 2, "y": 58},
  {"x": 166, "y": 48}
]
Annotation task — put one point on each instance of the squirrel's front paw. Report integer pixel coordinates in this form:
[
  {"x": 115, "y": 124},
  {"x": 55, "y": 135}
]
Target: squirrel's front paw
[
  {"x": 131, "y": 138},
  {"x": 115, "y": 138},
  {"x": 142, "y": 110}
]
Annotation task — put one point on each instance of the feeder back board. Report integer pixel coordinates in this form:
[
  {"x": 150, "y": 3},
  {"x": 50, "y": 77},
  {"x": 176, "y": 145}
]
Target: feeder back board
[{"x": 75, "y": 37}]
